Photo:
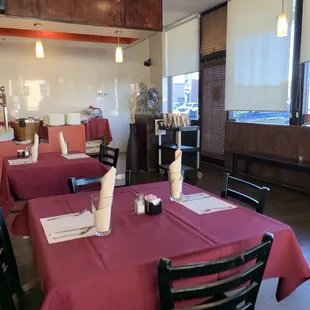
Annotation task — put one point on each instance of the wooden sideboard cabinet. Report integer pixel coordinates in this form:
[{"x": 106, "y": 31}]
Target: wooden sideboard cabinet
[
  {"x": 108, "y": 13},
  {"x": 22, "y": 8},
  {"x": 147, "y": 142}
]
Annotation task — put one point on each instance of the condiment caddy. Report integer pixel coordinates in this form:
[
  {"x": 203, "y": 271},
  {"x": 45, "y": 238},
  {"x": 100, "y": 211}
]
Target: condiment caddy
[{"x": 149, "y": 204}]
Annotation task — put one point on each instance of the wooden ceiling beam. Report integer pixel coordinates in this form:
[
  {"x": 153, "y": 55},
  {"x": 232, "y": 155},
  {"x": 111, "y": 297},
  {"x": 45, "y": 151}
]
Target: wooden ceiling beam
[{"x": 63, "y": 36}]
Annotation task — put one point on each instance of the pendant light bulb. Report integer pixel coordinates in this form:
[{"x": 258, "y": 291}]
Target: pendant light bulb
[
  {"x": 118, "y": 50},
  {"x": 282, "y": 24},
  {"x": 39, "y": 44},
  {"x": 39, "y": 49}
]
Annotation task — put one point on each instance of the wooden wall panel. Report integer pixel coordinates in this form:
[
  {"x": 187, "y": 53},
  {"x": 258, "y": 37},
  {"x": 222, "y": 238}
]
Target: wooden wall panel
[
  {"x": 282, "y": 141},
  {"x": 92, "y": 12},
  {"x": 143, "y": 14},
  {"x": 21, "y": 8},
  {"x": 213, "y": 31},
  {"x": 213, "y": 114}
]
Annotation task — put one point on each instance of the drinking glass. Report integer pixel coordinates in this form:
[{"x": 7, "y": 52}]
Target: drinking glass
[
  {"x": 176, "y": 185},
  {"x": 102, "y": 213}
]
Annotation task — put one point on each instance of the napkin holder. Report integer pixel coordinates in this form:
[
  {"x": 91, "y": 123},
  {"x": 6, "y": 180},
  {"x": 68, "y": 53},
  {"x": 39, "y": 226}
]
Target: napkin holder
[{"x": 151, "y": 209}]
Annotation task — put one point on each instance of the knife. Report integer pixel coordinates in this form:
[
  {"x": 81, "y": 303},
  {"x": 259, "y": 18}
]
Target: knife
[{"x": 69, "y": 230}]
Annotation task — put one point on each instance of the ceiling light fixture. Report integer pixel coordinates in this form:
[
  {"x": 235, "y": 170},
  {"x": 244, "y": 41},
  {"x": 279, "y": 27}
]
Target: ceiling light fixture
[
  {"x": 39, "y": 44},
  {"x": 282, "y": 25},
  {"x": 119, "y": 49}
]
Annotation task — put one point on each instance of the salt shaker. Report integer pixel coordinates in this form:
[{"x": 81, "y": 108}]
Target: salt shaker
[
  {"x": 27, "y": 153},
  {"x": 139, "y": 204}
]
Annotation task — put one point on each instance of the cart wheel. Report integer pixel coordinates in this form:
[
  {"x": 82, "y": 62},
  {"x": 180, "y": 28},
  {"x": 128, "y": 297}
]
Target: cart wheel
[
  {"x": 199, "y": 175},
  {"x": 162, "y": 171}
]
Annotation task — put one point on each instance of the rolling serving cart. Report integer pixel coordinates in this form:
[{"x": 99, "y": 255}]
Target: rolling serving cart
[{"x": 178, "y": 145}]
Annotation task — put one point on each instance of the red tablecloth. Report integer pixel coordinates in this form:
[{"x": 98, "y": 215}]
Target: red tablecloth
[
  {"x": 48, "y": 177},
  {"x": 97, "y": 128},
  {"x": 119, "y": 271}
]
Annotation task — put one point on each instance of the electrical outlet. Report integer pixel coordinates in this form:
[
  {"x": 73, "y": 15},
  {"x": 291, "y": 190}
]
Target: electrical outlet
[{"x": 99, "y": 94}]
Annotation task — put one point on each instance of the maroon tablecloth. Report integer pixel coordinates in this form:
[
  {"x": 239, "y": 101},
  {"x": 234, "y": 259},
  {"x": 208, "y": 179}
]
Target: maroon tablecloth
[
  {"x": 97, "y": 128},
  {"x": 119, "y": 271},
  {"x": 48, "y": 177}
]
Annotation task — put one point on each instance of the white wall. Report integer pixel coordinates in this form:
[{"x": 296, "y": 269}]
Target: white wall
[{"x": 68, "y": 79}]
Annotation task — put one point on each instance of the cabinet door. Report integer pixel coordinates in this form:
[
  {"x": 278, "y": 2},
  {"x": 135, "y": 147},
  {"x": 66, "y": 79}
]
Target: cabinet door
[
  {"x": 91, "y": 12},
  {"x": 23, "y": 8},
  {"x": 143, "y": 14}
]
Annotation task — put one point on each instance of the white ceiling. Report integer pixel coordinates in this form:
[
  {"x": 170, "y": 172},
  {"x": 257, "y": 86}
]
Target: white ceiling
[{"x": 175, "y": 10}]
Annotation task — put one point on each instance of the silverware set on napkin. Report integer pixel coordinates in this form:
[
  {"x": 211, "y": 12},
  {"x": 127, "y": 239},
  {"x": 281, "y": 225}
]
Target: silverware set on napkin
[
  {"x": 65, "y": 215},
  {"x": 84, "y": 231}
]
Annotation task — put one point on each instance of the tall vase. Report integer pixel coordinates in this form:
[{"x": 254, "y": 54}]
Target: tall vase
[{"x": 132, "y": 155}]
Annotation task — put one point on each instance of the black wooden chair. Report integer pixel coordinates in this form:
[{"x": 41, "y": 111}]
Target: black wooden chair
[
  {"x": 11, "y": 291},
  {"x": 257, "y": 204},
  {"x": 238, "y": 291},
  {"x": 12, "y": 295},
  {"x": 120, "y": 181},
  {"x": 108, "y": 156}
]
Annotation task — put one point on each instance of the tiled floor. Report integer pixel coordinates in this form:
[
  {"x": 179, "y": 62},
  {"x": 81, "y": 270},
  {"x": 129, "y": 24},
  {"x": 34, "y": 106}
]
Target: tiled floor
[{"x": 285, "y": 205}]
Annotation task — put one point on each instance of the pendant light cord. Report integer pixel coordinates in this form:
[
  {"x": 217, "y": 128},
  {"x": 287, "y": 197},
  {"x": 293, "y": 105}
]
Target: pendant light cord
[
  {"x": 38, "y": 32},
  {"x": 282, "y": 6}
]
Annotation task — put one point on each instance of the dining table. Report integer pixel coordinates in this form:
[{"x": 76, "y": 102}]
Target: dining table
[
  {"x": 98, "y": 128},
  {"x": 47, "y": 177},
  {"x": 119, "y": 271}
]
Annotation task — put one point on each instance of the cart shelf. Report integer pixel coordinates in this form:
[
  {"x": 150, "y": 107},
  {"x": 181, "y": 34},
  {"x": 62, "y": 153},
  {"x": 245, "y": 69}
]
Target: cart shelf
[
  {"x": 184, "y": 129},
  {"x": 183, "y": 148},
  {"x": 178, "y": 145}
]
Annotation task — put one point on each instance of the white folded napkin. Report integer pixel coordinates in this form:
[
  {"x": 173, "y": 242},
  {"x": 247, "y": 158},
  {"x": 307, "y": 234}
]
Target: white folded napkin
[
  {"x": 36, "y": 139},
  {"x": 165, "y": 120},
  {"x": 63, "y": 144},
  {"x": 103, "y": 215},
  {"x": 103, "y": 219},
  {"x": 35, "y": 148},
  {"x": 176, "y": 178}
]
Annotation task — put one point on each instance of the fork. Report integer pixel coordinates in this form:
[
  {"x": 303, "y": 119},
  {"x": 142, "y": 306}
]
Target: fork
[
  {"x": 224, "y": 208},
  {"x": 84, "y": 232},
  {"x": 65, "y": 215},
  {"x": 69, "y": 231}
]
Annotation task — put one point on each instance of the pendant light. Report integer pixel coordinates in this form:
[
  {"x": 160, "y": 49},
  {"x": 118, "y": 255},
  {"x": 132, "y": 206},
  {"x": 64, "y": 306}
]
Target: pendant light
[
  {"x": 119, "y": 49},
  {"x": 39, "y": 44},
  {"x": 282, "y": 25}
]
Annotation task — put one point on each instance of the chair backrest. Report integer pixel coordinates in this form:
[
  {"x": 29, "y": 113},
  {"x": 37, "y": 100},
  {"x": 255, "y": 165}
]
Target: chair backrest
[
  {"x": 257, "y": 204},
  {"x": 108, "y": 156},
  {"x": 9, "y": 278},
  {"x": 75, "y": 184},
  {"x": 246, "y": 283}
]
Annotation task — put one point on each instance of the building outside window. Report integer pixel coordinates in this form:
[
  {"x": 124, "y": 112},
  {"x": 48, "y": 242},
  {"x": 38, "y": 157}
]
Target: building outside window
[{"x": 182, "y": 94}]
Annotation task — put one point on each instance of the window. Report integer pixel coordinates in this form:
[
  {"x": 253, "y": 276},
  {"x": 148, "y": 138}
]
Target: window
[
  {"x": 271, "y": 117},
  {"x": 183, "y": 94},
  {"x": 306, "y": 105},
  {"x": 274, "y": 118}
]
